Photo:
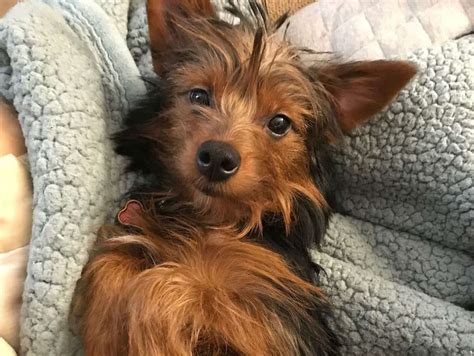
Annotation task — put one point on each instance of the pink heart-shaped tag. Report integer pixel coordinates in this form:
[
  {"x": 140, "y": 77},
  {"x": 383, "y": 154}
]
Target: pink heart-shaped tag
[{"x": 130, "y": 214}]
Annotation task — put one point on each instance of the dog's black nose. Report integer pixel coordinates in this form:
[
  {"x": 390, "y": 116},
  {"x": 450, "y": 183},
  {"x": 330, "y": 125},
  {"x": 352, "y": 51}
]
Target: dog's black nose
[{"x": 217, "y": 160}]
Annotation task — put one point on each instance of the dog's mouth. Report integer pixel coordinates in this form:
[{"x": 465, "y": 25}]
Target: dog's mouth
[{"x": 209, "y": 189}]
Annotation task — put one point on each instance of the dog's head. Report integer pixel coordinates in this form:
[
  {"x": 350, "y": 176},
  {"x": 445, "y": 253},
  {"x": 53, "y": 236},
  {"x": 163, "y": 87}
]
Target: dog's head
[{"x": 239, "y": 123}]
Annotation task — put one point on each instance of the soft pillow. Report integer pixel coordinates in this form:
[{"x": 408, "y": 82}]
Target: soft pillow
[
  {"x": 5, "y": 349},
  {"x": 12, "y": 276},
  {"x": 358, "y": 29}
]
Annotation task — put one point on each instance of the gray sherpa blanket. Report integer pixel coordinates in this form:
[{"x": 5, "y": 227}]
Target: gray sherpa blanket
[{"x": 399, "y": 254}]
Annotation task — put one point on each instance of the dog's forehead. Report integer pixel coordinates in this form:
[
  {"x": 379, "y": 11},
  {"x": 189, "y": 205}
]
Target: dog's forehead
[
  {"x": 225, "y": 62},
  {"x": 244, "y": 80}
]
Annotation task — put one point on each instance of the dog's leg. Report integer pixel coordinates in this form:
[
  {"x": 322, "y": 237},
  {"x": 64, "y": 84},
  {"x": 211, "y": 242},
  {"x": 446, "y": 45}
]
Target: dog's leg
[{"x": 101, "y": 295}]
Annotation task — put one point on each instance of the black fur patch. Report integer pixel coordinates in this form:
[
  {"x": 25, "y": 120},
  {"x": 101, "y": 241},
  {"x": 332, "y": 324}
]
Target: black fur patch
[{"x": 132, "y": 141}]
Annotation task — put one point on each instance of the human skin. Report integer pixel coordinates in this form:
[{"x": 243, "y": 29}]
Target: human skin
[{"x": 11, "y": 137}]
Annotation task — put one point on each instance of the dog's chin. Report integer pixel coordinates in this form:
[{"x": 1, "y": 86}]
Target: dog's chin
[
  {"x": 219, "y": 203},
  {"x": 210, "y": 190}
]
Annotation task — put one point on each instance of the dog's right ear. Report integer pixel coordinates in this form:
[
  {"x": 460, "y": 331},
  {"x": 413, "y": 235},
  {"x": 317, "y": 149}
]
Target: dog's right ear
[
  {"x": 361, "y": 89},
  {"x": 163, "y": 16}
]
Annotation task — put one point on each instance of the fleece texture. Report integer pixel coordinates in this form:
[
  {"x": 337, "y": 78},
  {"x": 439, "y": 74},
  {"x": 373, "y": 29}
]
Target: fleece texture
[
  {"x": 399, "y": 252},
  {"x": 67, "y": 69}
]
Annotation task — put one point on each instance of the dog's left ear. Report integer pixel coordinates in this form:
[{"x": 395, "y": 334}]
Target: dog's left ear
[
  {"x": 361, "y": 89},
  {"x": 163, "y": 18}
]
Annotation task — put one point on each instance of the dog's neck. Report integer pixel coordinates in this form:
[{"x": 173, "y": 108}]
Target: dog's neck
[{"x": 309, "y": 221}]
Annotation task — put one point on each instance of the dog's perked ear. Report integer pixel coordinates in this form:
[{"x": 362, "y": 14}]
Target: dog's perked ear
[
  {"x": 361, "y": 89},
  {"x": 162, "y": 16}
]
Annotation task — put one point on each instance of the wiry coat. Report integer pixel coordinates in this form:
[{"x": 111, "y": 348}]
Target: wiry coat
[{"x": 224, "y": 268}]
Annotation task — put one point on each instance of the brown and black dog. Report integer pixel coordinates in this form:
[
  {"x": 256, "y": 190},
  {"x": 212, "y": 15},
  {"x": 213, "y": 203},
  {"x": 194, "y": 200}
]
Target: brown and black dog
[{"x": 235, "y": 139}]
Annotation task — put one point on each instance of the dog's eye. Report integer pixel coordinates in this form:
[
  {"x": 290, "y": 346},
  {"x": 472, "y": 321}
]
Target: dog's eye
[
  {"x": 279, "y": 125},
  {"x": 199, "y": 97}
]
